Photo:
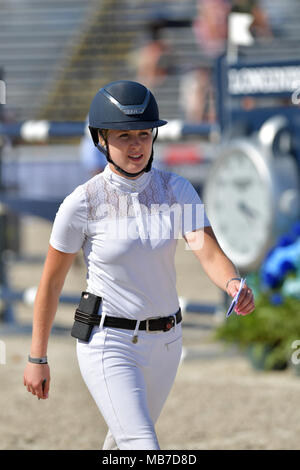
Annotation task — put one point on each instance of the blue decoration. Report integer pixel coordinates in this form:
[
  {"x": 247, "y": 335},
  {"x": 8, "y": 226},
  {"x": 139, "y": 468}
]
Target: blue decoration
[
  {"x": 282, "y": 260},
  {"x": 276, "y": 299}
]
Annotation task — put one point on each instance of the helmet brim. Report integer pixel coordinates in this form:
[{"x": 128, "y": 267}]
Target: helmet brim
[{"x": 131, "y": 125}]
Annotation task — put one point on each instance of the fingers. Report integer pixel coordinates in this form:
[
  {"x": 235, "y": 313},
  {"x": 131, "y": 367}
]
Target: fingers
[
  {"x": 40, "y": 391},
  {"x": 30, "y": 389},
  {"x": 245, "y": 304},
  {"x": 37, "y": 379},
  {"x": 233, "y": 288},
  {"x": 45, "y": 388}
]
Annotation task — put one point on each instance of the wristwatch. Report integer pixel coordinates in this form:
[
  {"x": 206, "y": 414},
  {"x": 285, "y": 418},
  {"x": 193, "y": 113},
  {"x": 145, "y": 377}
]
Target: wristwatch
[{"x": 38, "y": 360}]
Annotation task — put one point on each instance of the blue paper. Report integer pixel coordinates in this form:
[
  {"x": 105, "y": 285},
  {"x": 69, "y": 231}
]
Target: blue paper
[{"x": 236, "y": 298}]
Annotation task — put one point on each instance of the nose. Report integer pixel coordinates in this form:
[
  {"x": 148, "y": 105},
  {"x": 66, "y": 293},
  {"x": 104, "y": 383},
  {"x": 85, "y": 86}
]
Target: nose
[{"x": 135, "y": 141}]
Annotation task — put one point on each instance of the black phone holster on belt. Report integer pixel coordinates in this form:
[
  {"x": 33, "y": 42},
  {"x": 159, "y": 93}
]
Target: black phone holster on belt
[{"x": 86, "y": 316}]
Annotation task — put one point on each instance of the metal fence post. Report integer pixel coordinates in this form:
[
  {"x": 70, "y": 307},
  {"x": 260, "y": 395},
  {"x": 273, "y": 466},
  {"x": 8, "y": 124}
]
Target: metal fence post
[{"x": 6, "y": 310}]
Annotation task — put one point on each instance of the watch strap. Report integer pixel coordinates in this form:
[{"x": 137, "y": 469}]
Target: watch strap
[{"x": 38, "y": 360}]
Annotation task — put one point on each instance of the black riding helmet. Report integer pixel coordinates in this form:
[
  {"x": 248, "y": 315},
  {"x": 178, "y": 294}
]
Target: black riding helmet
[{"x": 123, "y": 105}]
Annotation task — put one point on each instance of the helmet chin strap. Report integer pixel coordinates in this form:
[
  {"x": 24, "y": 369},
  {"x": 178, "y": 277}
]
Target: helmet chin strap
[{"x": 147, "y": 168}]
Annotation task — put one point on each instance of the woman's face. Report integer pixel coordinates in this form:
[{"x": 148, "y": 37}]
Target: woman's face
[{"x": 130, "y": 150}]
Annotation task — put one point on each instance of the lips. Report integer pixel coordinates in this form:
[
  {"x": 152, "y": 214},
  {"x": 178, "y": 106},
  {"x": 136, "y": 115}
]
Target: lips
[{"x": 135, "y": 158}]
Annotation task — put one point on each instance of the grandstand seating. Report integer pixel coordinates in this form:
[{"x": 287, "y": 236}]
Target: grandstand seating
[
  {"x": 57, "y": 53},
  {"x": 103, "y": 54},
  {"x": 35, "y": 39}
]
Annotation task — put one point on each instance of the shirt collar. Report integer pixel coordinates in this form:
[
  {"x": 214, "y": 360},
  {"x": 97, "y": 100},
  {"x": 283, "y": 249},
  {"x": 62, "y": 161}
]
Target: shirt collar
[{"x": 126, "y": 184}]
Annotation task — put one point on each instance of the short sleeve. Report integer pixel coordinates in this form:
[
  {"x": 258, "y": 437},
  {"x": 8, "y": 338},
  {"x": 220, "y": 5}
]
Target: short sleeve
[
  {"x": 69, "y": 227},
  {"x": 193, "y": 215}
]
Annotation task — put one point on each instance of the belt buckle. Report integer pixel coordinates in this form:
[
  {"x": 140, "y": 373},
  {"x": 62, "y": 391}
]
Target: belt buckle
[
  {"x": 170, "y": 323},
  {"x": 147, "y": 325}
]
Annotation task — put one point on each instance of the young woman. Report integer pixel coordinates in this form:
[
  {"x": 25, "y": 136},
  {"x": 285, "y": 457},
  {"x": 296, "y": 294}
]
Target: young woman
[{"x": 127, "y": 220}]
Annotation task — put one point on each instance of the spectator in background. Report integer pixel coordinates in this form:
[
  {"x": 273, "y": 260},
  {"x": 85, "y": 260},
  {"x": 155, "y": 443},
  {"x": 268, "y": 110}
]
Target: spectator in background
[
  {"x": 210, "y": 32},
  {"x": 210, "y": 29},
  {"x": 152, "y": 59},
  {"x": 260, "y": 26}
]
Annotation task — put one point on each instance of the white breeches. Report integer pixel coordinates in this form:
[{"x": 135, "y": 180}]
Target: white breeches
[{"x": 130, "y": 381}]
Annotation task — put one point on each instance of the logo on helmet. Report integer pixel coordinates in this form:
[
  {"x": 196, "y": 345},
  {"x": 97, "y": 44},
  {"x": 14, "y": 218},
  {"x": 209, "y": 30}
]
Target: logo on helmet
[{"x": 128, "y": 109}]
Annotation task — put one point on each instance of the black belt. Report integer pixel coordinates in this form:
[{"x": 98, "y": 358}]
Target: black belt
[{"x": 151, "y": 324}]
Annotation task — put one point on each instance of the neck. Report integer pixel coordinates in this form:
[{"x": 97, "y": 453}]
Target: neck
[{"x": 125, "y": 174}]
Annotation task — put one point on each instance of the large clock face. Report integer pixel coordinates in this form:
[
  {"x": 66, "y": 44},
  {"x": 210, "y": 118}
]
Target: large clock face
[{"x": 239, "y": 204}]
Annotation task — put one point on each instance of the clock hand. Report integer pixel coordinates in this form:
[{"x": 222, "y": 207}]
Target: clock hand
[
  {"x": 241, "y": 184},
  {"x": 246, "y": 209}
]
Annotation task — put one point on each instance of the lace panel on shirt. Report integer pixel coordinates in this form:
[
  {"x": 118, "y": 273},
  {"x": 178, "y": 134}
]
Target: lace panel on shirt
[{"x": 104, "y": 199}]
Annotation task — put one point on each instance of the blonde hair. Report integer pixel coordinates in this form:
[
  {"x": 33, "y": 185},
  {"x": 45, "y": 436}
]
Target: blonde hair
[{"x": 103, "y": 134}]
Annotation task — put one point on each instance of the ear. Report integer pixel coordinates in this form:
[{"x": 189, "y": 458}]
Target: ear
[{"x": 101, "y": 140}]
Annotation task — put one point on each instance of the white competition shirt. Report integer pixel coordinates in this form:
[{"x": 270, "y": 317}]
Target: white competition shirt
[{"x": 128, "y": 230}]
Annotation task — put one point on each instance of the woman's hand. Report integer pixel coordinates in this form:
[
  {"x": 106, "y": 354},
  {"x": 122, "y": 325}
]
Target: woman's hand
[
  {"x": 245, "y": 303},
  {"x": 34, "y": 375}
]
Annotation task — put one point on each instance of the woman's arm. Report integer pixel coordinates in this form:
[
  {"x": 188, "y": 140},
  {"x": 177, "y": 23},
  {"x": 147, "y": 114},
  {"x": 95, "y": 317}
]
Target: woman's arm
[
  {"x": 56, "y": 267},
  {"x": 218, "y": 266}
]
